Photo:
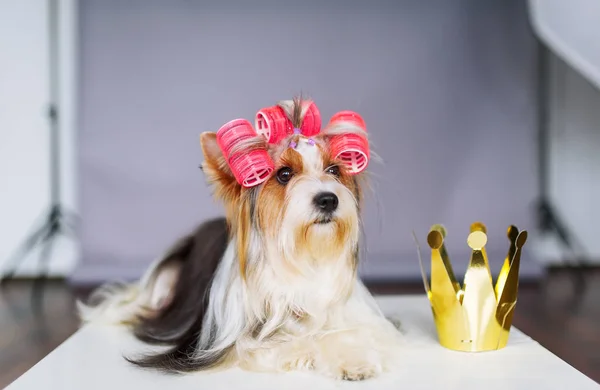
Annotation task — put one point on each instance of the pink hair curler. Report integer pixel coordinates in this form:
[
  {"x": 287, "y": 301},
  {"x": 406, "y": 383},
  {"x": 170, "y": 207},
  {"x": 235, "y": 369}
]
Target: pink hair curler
[
  {"x": 351, "y": 149},
  {"x": 250, "y": 167},
  {"x": 349, "y": 116},
  {"x": 311, "y": 123},
  {"x": 274, "y": 125}
]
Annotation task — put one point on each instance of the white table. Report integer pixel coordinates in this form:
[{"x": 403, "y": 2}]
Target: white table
[{"x": 92, "y": 359}]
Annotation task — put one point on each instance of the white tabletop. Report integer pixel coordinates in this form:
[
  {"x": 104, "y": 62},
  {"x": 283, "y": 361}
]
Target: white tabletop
[{"x": 92, "y": 359}]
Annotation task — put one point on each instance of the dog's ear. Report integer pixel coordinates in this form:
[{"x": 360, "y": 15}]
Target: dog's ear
[{"x": 216, "y": 168}]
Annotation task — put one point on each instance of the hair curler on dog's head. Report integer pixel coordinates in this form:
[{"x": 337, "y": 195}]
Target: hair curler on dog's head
[
  {"x": 311, "y": 123},
  {"x": 250, "y": 166},
  {"x": 274, "y": 125},
  {"x": 351, "y": 148}
]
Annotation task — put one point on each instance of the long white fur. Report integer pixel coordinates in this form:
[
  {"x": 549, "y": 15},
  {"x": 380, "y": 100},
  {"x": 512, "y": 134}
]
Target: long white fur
[{"x": 343, "y": 333}]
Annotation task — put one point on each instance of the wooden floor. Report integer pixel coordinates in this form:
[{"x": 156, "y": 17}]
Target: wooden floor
[{"x": 552, "y": 313}]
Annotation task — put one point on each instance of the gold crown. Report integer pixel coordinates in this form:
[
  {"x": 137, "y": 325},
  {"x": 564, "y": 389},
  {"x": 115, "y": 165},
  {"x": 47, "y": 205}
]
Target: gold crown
[{"x": 477, "y": 316}]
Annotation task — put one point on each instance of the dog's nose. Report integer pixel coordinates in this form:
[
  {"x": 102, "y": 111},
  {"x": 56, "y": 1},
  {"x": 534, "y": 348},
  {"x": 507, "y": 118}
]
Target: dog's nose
[{"x": 326, "y": 201}]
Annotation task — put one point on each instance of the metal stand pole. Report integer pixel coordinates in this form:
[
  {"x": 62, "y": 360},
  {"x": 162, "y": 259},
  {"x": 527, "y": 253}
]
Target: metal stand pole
[{"x": 57, "y": 220}]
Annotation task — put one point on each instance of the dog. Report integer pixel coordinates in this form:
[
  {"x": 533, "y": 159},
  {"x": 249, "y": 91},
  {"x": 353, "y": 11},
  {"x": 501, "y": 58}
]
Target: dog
[{"x": 273, "y": 285}]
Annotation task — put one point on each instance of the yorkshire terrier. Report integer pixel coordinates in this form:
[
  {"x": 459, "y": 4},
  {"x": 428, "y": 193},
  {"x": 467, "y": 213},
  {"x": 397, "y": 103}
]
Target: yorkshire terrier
[{"x": 273, "y": 285}]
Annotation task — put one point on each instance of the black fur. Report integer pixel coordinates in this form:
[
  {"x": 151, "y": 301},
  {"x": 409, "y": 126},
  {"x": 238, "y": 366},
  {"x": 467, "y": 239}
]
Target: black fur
[{"x": 180, "y": 322}]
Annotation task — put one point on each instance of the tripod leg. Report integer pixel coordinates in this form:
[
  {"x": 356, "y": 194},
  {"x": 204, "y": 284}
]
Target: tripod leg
[
  {"x": 22, "y": 251},
  {"x": 38, "y": 284},
  {"x": 68, "y": 228},
  {"x": 579, "y": 286},
  {"x": 65, "y": 219},
  {"x": 70, "y": 222}
]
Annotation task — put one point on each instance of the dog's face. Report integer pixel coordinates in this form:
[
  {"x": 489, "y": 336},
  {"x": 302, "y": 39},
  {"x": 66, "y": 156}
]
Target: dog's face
[{"x": 309, "y": 207}]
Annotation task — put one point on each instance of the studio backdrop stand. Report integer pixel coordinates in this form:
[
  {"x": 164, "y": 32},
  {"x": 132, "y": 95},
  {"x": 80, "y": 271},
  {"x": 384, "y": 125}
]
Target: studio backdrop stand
[{"x": 57, "y": 221}]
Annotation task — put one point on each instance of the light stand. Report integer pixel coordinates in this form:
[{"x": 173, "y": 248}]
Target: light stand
[
  {"x": 547, "y": 218},
  {"x": 57, "y": 220}
]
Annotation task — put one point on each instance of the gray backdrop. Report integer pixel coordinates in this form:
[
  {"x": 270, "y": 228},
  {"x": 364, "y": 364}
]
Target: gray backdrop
[{"x": 446, "y": 88}]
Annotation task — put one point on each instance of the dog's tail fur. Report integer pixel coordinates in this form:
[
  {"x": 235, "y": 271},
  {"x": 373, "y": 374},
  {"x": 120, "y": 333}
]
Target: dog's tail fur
[
  {"x": 124, "y": 304},
  {"x": 168, "y": 305}
]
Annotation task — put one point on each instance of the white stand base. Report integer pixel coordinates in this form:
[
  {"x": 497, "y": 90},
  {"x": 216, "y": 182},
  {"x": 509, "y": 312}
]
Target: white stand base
[{"x": 93, "y": 359}]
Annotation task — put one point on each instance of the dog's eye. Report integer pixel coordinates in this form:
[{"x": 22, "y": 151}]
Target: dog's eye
[
  {"x": 333, "y": 170},
  {"x": 284, "y": 175}
]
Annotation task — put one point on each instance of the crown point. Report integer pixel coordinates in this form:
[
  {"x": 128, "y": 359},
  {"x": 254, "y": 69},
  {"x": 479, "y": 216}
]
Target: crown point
[
  {"x": 439, "y": 228},
  {"x": 521, "y": 239},
  {"x": 512, "y": 232},
  {"x": 435, "y": 239},
  {"x": 477, "y": 240},
  {"x": 478, "y": 227}
]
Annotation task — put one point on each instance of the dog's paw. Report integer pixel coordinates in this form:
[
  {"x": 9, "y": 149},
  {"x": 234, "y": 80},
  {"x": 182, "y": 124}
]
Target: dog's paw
[
  {"x": 354, "y": 370},
  {"x": 359, "y": 373}
]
